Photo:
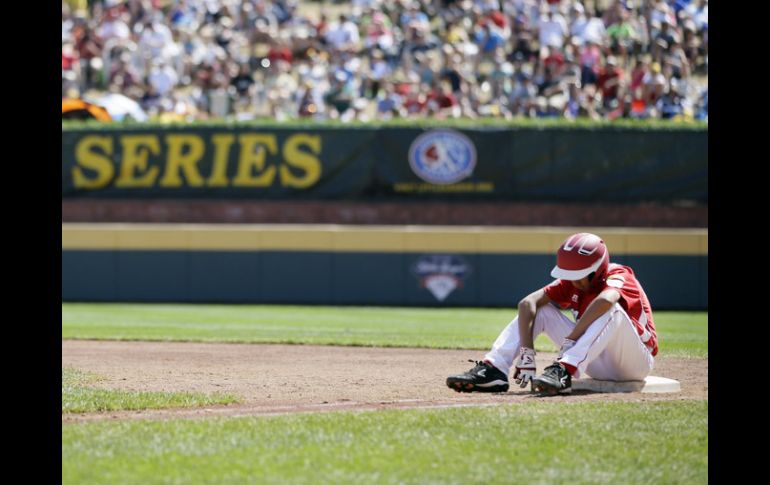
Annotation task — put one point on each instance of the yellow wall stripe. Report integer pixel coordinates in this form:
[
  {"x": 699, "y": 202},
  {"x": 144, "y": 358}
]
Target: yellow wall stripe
[{"x": 338, "y": 238}]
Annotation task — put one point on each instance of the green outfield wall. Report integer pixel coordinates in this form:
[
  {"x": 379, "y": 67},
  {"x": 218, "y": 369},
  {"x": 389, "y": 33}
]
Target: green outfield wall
[
  {"x": 242, "y": 162},
  {"x": 362, "y": 265}
]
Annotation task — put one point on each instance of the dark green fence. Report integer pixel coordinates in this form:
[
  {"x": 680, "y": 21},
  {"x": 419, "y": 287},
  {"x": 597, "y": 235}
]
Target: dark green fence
[{"x": 615, "y": 165}]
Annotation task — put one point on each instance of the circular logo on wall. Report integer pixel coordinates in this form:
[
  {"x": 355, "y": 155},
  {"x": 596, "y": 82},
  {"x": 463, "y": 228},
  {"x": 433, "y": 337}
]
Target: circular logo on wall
[{"x": 442, "y": 156}]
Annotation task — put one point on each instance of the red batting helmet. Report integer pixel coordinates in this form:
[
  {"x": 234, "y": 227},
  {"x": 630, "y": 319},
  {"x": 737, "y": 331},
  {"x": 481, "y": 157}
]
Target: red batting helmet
[{"x": 580, "y": 255}]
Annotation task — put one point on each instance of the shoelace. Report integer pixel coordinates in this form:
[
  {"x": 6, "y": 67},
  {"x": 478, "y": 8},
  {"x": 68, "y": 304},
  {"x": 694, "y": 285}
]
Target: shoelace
[
  {"x": 552, "y": 369},
  {"x": 479, "y": 364}
]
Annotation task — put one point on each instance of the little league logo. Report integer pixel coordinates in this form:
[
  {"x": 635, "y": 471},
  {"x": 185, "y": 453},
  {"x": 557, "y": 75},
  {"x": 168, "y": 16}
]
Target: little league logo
[
  {"x": 442, "y": 156},
  {"x": 441, "y": 274}
]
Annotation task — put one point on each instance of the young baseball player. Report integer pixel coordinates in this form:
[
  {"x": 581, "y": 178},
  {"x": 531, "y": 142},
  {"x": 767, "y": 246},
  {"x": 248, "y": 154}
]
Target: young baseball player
[{"x": 613, "y": 336}]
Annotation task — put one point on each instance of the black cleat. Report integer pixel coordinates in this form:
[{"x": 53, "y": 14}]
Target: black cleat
[
  {"x": 482, "y": 378},
  {"x": 555, "y": 380}
]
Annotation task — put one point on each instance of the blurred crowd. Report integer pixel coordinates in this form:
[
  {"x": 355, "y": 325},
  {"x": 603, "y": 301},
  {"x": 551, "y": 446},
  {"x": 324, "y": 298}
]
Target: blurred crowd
[{"x": 377, "y": 59}]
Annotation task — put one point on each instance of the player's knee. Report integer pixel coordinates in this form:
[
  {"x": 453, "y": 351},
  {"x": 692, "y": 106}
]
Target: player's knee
[{"x": 547, "y": 310}]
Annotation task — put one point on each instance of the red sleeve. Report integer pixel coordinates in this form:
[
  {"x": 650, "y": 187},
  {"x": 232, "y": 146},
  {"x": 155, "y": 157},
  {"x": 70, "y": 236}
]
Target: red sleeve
[
  {"x": 622, "y": 280},
  {"x": 560, "y": 291}
]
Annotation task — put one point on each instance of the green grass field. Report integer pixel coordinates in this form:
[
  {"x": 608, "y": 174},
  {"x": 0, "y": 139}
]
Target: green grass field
[
  {"x": 539, "y": 443},
  {"x": 681, "y": 334},
  {"x": 77, "y": 396}
]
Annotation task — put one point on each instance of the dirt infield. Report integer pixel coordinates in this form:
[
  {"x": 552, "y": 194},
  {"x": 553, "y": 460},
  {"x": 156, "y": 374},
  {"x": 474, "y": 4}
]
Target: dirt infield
[{"x": 281, "y": 379}]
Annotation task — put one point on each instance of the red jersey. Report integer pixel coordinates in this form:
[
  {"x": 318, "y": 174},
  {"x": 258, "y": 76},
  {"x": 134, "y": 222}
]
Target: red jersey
[
  {"x": 632, "y": 299},
  {"x": 603, "y": 82}
]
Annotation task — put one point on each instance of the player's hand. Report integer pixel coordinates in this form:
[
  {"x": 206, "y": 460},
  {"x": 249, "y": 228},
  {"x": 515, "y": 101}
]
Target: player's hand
[
  {"x": 565, "y": 346},
  {"x": 526, "y": 368}
]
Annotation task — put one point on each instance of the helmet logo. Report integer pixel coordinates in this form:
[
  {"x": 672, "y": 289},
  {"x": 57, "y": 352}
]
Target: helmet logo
[{"x": 582, "y": 239}]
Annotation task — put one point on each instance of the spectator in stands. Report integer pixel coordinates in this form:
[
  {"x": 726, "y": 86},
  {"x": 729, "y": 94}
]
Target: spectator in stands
[
  {"x": 123, "y": 74},
  {"x": 342, "y": 35},
  {"x": 611, "y": 84},
  {"x": 699, "y": 12},
  {"x": 390, "y": 102},
  {"x": 243, "y": 81},
  {"x": 622, "y": 33},
  {"x": 339, "y": 98},
  {"x": 441, "y": 102},
  {"x": 653, "y": 85},
  {"x": 670, "y": 105},
  {"x": 416, "y": 100},
  {"x": 590, "y": 62},
  {"x": 702, "y": 108},
  {"x": 311, "y": 104},
  {"x": 523, "y": 97},
  {"x": 553, "y": 28}
]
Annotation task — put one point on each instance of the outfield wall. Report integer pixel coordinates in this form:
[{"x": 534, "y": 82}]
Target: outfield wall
[
  {"x": 364, "y": 265},
  {"x": 250, "y": 162}
]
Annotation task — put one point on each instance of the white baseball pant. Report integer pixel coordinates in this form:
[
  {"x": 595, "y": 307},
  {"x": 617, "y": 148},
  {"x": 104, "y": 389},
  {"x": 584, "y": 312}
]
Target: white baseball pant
[{"x": 610, "y": 348}]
